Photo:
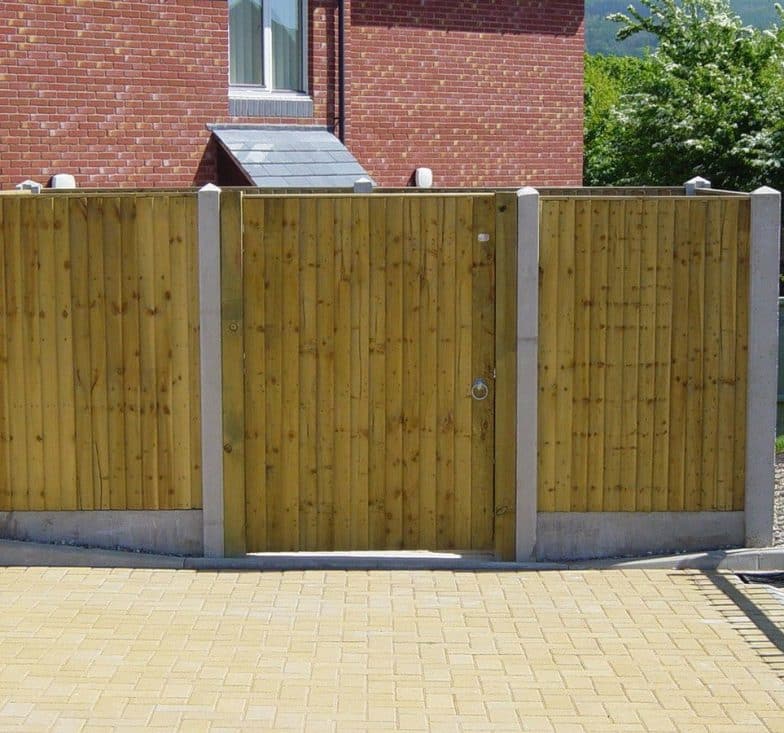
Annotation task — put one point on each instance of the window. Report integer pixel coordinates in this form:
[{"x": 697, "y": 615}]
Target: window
[{"x": 267, "y": 44}]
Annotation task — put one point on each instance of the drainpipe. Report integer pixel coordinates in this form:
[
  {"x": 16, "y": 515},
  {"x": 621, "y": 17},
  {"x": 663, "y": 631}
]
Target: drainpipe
[{"x": 342, "y": 69}]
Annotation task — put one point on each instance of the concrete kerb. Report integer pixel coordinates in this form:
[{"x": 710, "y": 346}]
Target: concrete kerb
[
  {"x": 30, "y": 554},
  {"x": 17, "y": 553},
  {"x": 744, "y": 559}
]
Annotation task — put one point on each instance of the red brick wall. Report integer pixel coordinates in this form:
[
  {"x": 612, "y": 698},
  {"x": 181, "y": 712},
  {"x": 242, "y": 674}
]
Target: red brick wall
[
  {"x": 120, "y": 93},
  {"x": 485, "y": 93}
]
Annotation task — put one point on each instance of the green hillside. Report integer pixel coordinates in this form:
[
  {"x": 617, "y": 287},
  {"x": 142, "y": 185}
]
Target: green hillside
[{"x": 600, "y": 33}]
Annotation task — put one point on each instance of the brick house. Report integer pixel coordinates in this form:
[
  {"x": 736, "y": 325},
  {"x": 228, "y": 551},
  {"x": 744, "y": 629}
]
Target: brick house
[{"x": 182, "y": 92}]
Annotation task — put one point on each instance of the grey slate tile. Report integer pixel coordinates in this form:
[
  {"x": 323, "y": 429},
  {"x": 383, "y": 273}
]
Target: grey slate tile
[
  {"x": 252, "y": 156},
  {"x": 271, "y": 182},
  {"x": 291, "y": 156},
  {"x": 342, "y": 156}
]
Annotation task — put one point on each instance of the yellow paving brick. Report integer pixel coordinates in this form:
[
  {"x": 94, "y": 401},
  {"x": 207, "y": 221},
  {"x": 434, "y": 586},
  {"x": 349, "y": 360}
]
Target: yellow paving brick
[{"x": 654, "y": 651}]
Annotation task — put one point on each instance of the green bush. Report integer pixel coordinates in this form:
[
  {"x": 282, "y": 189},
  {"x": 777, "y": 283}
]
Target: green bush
[{"x": 709, "y": 100}]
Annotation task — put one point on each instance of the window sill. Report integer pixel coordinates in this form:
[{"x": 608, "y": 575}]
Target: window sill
[{"x": 245, "y": 102}]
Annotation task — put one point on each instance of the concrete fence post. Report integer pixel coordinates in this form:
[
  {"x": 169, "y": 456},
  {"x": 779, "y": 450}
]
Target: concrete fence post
[
  {"x": 527, "y": 370},
  {"x": 211, "y": 372},
  {"x": 762, "y": 364},
  {"x": 693, "y": 184}
]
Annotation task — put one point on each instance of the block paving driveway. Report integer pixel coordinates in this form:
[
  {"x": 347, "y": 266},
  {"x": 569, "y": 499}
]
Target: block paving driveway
[{"x": 611, "y": 650}]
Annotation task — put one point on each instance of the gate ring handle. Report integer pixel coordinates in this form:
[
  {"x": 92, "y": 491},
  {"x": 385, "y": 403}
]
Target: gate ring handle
[{"x": 479, "y": 390}]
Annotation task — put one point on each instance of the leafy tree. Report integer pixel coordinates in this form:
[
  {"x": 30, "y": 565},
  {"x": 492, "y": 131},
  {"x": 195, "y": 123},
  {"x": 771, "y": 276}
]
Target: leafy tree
[
  {"x": 607, "y": 79},
  {"x": 600, "y": 32},
  {"x": 708, "y": 101}
]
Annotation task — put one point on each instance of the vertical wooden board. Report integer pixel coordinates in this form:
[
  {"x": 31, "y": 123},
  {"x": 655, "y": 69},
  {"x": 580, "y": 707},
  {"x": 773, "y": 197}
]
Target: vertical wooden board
[
  {"x": 148, "y": 381},
  {"x": 13, "y": 465},
  {"x": 578, "y": 487},
  {"x": 696, "y": 328},
  {"x": 5, "y": 427},
  {"x": 179, "y": 238},
  {"x": 464, "y": 372},
  {"x": 232, "y": 358},
  {"x": 308, "y": 347},
  {"x": 630, "y": 359},
  {"x": 464, "y": 264},
  {"x": 33, "y": 363},
  {"x": 741, "y": 354},
  {"x": 432, "y": 214},
  {"x": 131, "y": 354},
  {"x": 565, "y": 357},
  {"x": 727, "y": 375},
  {"x": 506, "y": 375},
  {"x": 679, "y": 373},
  {"x": 163, "y": 352},
  {"x": 645, "y": 356},
  {"x": 342, "y": 449},
  {"x": 272, "y": 250},
  {"x": 393, "y": 375},
  {"x": 598, "y": 352},
  {"x": 711, "y": 354},
  {"x": 254, "y": 295},
  {"x": 64, "y": 336},
  {"x": 83, "y": 372},
  {"x": 194, "y": 350},
  {"x": 16, "y": 337},
  {"x": 412, "y": 274},
  {"x": 325, "y": 326},
  {"x": 290, "y": 376},
  {"x": 662, "y": 351},
  {"x": 483, "y": 413},
  {"x": 115, "y": 377},
  {"x": 548, "y": 342},
  {"x": 360, "y": 281},
  {"x": 377, "y": 378},
  {"x": 445, "y": 379},
  {"x": 47, "y": 319},
  {"x": 613, "y": 386},
  {"x": 98, "y": 384}
]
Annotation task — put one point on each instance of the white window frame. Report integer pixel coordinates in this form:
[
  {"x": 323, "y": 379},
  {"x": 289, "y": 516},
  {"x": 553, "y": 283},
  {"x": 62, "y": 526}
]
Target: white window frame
[{"x": 265, "y": 90}]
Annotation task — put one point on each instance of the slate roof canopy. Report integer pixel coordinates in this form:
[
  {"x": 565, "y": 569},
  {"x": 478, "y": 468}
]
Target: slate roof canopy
[{"x": 282, "y": 156}]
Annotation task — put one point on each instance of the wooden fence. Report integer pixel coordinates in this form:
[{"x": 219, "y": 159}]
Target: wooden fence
[
  {"x": 642, "y": 353},
  {"x": 99, "y": 381},
  {"x": 352, "y": 327}
]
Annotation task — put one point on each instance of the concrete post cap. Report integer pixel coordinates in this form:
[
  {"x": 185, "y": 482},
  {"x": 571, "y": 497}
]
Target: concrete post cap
[
  {"x": 695, "y": 183},
  {"x": 29, "y": 185},
  {"x": 363, "y": 185}
]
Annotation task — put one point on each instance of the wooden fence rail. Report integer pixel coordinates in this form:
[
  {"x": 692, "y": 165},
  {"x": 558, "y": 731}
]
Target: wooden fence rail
[{"x": 99, "y": 400}]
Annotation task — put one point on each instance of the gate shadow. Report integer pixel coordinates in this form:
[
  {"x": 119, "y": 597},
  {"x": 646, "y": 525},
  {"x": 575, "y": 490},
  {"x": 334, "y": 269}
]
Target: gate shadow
[{"x": 762, "y": 622}]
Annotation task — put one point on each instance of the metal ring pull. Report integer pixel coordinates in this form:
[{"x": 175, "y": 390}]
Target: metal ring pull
[{"x": 479, "y": 390}]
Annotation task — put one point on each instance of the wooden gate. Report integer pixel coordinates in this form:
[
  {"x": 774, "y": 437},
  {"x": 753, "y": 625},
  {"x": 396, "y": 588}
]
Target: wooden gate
[{"x": 365, "y": 322}]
